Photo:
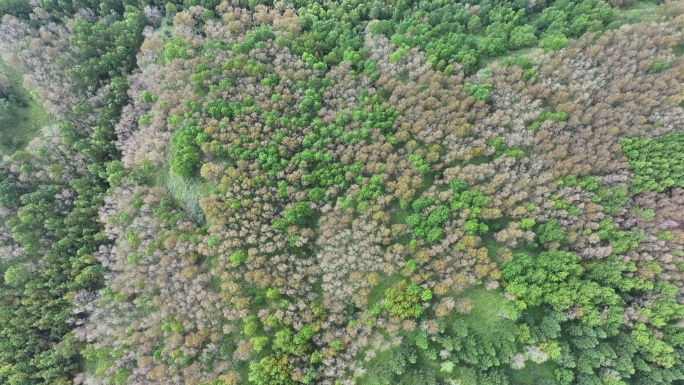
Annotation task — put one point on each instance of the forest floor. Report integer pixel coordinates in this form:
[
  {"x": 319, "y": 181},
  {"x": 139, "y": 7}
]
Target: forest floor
[{"x": 27, "y": 121}]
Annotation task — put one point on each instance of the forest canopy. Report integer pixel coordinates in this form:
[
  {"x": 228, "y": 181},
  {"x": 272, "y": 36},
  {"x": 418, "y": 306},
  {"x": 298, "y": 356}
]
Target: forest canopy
[{"x": 342, "y": 192}]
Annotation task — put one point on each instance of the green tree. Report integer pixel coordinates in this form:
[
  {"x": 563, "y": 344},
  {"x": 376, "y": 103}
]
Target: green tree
[
  {"x": 107, "y": 47},
  {"x": 299, "y": 214},
  {"x": 271, "y": 370},
  {"x": 554, "y": 42},
  {"x": 404, "y": 301},
  {"x": 551, "y": 231},
  {"x": 522, "y": 36}
]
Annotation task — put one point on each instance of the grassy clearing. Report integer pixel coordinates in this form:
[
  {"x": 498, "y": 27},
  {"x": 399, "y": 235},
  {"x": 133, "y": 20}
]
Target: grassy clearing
[
  {"x": 532, "y": 373},
  {"x": 678, "y": 50},
  {"x": 508, "y": 55},
  {"x": 382, "y": 357},
  {"x": 98, "y": 361},
  {"x": 485, "y": 319},
  {"x": 377, "y": 294},
  {"x": 186, "y": 191},
  {"x": 638, "y": 12},
  {"x": 26, "y": 122},
  {"x": 486, "y": 305}
]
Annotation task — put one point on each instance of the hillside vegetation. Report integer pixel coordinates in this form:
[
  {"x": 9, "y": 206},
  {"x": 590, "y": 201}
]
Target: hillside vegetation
[{"x": 342, "y": 192}]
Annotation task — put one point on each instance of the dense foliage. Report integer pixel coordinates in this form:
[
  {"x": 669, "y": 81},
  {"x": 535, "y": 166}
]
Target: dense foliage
[
  {"x": 657, "y": 163},
  {"x": 341, "y": 192}
]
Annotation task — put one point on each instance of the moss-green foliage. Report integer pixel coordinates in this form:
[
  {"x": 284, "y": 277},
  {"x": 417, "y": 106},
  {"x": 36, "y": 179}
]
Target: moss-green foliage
[
  {"x": 401, "y": 365},
  {"x": 574, "y": 18},
  {"x": 426, "y": 220},
  {"x": 238, "y": 257},
  {"x": 524, "y": 63},
  {"x": 296, "y": 344},
  {"x": 558, "y": 116},
  {"x": 478, "y": 347},
  {"x": 527, "y": 223},
  {"x": 422, "y": 166},
  {"x": 41, "y": 306},
  {"x": 487, "y": 311},
  {"x": 37, "y": 344},
  {"x": 621, "y": 241},
  {"x": 522, "y": 36},
  {"x": 644, "y": 213},
  {"x": 427, "y": 225},
  {"x": 483, "y": 352},
  {"x": 299, "y": 214},
  {"x": 657, "y": 163},
  {"x": 558, "y": 280},
  {"x": 370, "y": 191},
  {"x": 562, "y": 204},
  {"x": 612, "y": 199}
]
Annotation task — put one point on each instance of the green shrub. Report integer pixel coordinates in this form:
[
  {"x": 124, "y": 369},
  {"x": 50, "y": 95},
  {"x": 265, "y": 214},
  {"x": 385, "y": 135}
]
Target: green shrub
[
  {"x": 186, "y": 162},
  {"x": 238, "y": 257},
  {"x": 479, "y": 91},
  {"x": 527, "y": 223},
  {"x": 658, "y": 66},
  {"x": 551, "y": 231},
  {"x": 554, "y": 42},
  {"x": 522, "y": 36},
  {"x": 299, "y": 214},
  {"x": 404, "y": 301}
]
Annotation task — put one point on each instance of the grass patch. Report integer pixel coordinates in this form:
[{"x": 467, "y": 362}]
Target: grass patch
[
  {"x": 215, "y": 284},
  {"x": 377, "y": 294},
  {"x": 637, "y": 12},
  {"x": 381, "y": 357},
  {"x": 532, "y": 373},
  {"x": 484, "y": 319},
  {"x": 187, "y": 191},
  {"x": 428, "y": 181},
  {"x": 96, "y": 361},
  {"x": 399, "y": 214},
  {"x": 26, "y": 122},
  {"x": 529, "y": 248},
  {"x": 508, "y": 55},
  {"x": 379, "y": 370},
  {"x": 678, "y": 50},
  {"x": 486, "y": 305}
]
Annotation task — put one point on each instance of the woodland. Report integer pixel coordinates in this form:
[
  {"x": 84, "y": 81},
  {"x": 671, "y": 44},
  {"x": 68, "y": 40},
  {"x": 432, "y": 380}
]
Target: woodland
[{"x": 205, "y": 192}]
